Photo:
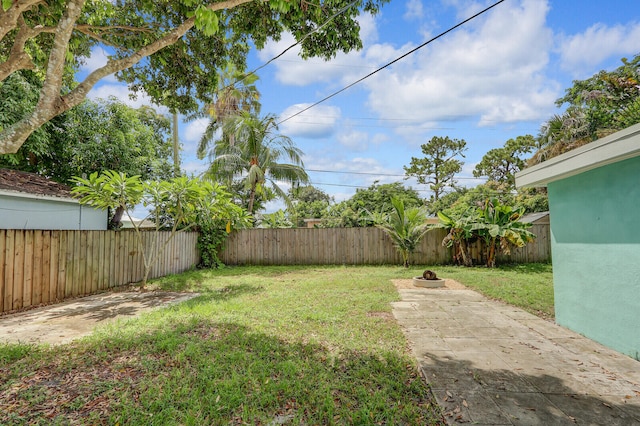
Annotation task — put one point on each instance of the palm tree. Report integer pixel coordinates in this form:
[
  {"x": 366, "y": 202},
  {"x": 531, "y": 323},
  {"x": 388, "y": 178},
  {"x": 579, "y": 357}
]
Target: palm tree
[
  {"x": 236, "y": 93},
  {"x": 406, "y": 227},
  {"x": 251, "y": 148}
]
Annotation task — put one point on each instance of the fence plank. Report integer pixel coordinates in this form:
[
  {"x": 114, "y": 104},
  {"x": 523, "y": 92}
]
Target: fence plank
[
  {"x": 9, "y": 249},
  {"x": 54, "y": 251},
  {"x": 27, "y": 277},
  {"x": 3, "y": 262},
  {"x": 18, "y": 270},
  {"x": 37, "y": 277}
]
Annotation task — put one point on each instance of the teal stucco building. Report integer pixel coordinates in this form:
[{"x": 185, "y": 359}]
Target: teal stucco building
[{"x": 594, "y": 203}]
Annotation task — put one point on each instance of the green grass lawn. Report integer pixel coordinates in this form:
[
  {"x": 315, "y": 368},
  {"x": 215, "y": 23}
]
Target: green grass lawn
[
  {"x": 268, "y": 345},
  {"x": 259, "y": 346},
  {"x": 528, "y": 286}
]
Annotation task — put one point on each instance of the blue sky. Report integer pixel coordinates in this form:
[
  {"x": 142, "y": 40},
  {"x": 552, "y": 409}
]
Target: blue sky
[{"x": 495, "y": 78}]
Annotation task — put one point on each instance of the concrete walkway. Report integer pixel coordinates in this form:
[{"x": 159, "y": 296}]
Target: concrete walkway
[
  {"x": 69, "y": 320},
  {"x": 492, "y": 364}
]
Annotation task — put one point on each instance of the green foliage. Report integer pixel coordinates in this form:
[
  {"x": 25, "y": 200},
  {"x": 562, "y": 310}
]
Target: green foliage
[
  {"x": 211, "y": 238},
  {"x": 276, "y": 219},
  {"x": 178, "y": 204},
  {"x": 406, "y": 227},
  {"x": 357, "y": 211},
  {"x": 94, "y": 136},
  {"x": 598, "y": 106},
  {"x": 439, "y": 165},
  {"x": 501, "y": 164},
  {"x": 258, "y": 154},
  {"x": 497, "y": 225},
  {"x": 501, "y": 229},
  {"x": 308, "y": 202},
  {"x": 19, "y": 94}
]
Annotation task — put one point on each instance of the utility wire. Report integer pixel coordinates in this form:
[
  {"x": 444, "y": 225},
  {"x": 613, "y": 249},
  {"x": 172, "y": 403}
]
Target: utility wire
[
  {"x": 324, "y": 24},
  {"x": 373, "y": 174},
  {"x": 391, "y": 63}
]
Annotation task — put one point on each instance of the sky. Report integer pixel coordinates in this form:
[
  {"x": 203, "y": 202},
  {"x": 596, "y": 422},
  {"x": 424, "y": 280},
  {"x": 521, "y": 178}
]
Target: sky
[{"x": 494, "y": 78}]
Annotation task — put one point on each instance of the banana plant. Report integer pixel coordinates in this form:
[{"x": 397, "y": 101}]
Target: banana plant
[{"x": 501, "y": 229}]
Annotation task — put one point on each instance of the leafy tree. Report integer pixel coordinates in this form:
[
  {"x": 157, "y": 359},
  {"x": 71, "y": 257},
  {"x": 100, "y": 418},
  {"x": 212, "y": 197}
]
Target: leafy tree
[
  {"x": 182, "y": 199},
  {"x": 171, "y": 50},
  {"x": 440, "y": 164},
  {"x": 501, "y": 164},
  {"x": 308, "y": 202},
  {"x": 598, "y": 106},
  {"x": 406, "y": 227},
  {"x": 276, "y": 220},
  {"x": 236, "y": 93},
  {"x": 18, "y": 95},
  {"x": 357, "y": 211},
  {"x": 108, "y": 135},
  {"x": 96, "y": 136},
  {"x": 256, "y": 155}
]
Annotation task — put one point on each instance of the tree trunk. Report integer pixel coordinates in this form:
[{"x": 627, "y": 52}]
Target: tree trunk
[
  {"x": 466, "y": 259},
  {"x": 491, "y": 254},
  {"x": 117, "y": 218},
  {"x": 252, "y": 197}
]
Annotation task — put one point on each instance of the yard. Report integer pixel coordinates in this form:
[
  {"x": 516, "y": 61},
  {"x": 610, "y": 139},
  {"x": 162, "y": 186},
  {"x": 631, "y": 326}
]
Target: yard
[{"x": 267, "y": 345}]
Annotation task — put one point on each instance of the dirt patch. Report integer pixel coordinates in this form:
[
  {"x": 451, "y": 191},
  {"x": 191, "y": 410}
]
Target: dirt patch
[
  {"x": 67, "y": 321},
  {"x": 449, "y": 284}
]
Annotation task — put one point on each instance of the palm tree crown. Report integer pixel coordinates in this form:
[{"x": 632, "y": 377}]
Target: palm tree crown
[{"x": 250, "y": 147}]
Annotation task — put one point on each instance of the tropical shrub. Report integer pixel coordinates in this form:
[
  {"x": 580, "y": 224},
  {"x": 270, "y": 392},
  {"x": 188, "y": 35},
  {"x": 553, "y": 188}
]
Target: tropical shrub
[
  {"x": 406, "y": 227},
  {"x": 496, "y": 225}
]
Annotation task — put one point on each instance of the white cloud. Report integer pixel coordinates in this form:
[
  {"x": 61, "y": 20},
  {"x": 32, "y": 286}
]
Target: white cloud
[
  {"x": 344, "y": 68},
  {"x": 481, "y": 69},
  {"x": 354, "y": 140},
  {"x": 192, "y": 132},
  {"x": 97, "y": 60},
  {"x": 414, "y": 10},
  {"x": 318, "y": 122},
  {"x": 194, "y": 168},
  {"x": 580, "y": 53},
  {"x": 123, "y": 94}
]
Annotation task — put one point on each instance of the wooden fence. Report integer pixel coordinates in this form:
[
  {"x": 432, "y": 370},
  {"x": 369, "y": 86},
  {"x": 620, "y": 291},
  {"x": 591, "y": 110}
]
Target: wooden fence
[
  {"x": 39, "y": 266},
  {"x": 354, "y": 246}
]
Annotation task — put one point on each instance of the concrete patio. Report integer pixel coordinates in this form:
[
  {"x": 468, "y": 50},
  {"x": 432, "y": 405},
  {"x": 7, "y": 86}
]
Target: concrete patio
[{"x": 489, "y": 363}]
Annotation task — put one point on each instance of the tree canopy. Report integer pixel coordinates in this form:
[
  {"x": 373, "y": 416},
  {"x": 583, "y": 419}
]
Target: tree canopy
[
  {"x": 439, "y": 165},
  {"x": 375, "y": 200},
  {"x": 96, "y": 136},
  {"x": 600, "y": 105},
  {"x": 171, "y": 50},
  {"x": 501, "y": 164}
]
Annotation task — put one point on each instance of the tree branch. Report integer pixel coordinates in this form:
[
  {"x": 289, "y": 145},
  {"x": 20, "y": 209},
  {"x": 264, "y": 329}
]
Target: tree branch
[
  {"x": 9, "y": 18},
  {"x": 52, "y": 104}
]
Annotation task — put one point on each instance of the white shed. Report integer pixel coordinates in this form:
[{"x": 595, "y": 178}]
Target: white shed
[{"x": 31, "y": 201}]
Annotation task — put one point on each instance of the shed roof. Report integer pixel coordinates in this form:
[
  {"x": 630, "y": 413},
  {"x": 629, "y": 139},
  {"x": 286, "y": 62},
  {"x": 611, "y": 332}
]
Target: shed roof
[
  {"x": 31, "y": 183},
  {"x": 616, "y": 147}
]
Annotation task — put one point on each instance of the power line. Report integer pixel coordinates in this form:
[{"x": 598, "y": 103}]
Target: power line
[
  {"x": 374, "y": 174},
  {"x": 392, "y": 62},
  {"x": 324, "y": 24}
]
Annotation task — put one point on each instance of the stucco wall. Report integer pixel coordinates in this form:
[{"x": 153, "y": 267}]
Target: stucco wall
[
  {"x": 18, "y": 212},
  {"x": 595, "y": 237}
]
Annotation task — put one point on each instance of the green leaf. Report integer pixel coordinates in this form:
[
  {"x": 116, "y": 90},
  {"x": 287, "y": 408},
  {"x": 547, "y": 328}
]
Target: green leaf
[{"x": 6, "y": 4}]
